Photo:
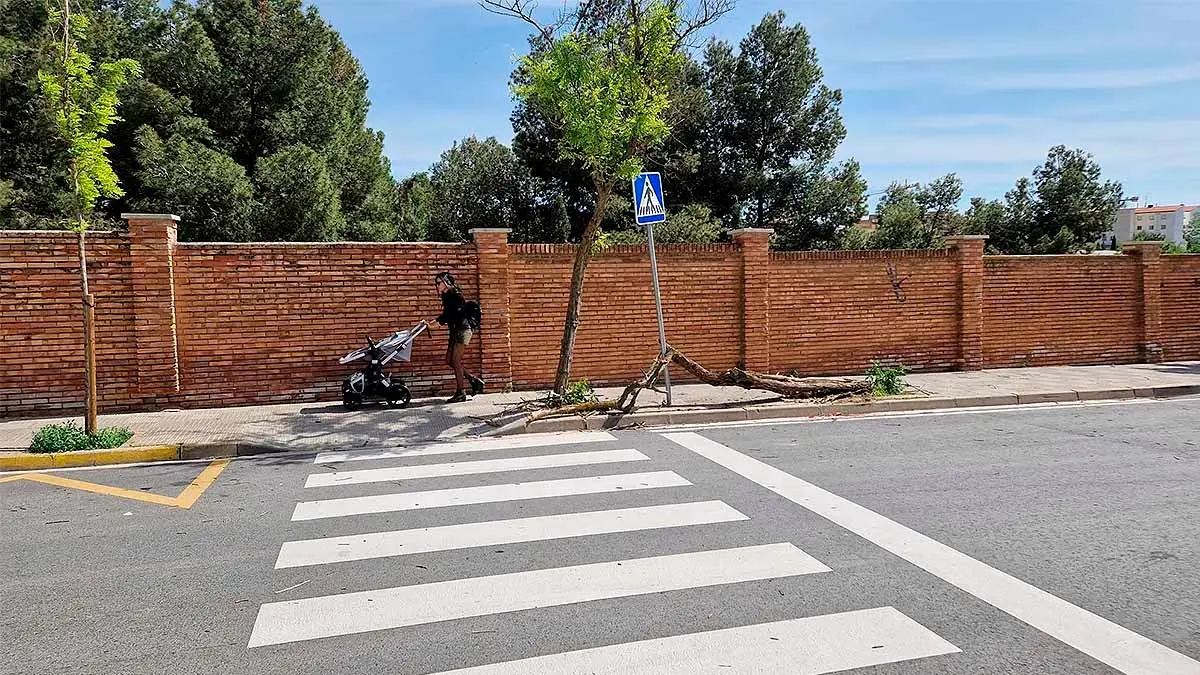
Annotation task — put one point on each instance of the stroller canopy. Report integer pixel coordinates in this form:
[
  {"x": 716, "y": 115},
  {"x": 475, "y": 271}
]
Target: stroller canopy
[{"x": 397, "y": 345}]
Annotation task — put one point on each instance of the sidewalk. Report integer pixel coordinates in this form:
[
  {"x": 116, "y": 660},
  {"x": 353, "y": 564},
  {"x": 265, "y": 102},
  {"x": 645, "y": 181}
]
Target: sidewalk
[{"x": 313, "y": 426}]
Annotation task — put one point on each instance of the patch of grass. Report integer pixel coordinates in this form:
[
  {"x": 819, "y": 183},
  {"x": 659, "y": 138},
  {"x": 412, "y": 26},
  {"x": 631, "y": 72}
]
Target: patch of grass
[
  {"x": 112, "y": 437},
  {"x": 70, "y": 437},
  {"x": 886, "y": 380},
  {"x": 579, "y": 391}
]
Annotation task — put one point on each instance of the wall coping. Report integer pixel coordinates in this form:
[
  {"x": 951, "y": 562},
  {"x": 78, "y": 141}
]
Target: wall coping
[
  {"x": 498, "y": 230},
  {"x": 320, "y": 244},
  {"x": 58, "y": 233},
  {"x": 753, "y": 230},
  {"x": 150, "y": 216}
]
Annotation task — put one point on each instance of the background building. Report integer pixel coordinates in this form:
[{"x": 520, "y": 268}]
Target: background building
[{"x": 1168, "y": 221}]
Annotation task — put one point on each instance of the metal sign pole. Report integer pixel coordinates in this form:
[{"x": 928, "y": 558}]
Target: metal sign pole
[{"x": 662, "y": 331}]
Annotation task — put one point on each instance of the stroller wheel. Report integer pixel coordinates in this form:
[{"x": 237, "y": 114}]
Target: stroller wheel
[
  {"x": 398, "y": 396},
  {"x": 351, "y": 401}
]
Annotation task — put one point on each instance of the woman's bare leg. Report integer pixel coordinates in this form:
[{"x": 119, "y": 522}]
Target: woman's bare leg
[{"x": 455, "y": 357}]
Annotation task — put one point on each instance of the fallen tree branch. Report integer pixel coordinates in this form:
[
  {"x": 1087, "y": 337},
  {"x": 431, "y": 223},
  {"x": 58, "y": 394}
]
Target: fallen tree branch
[
  {"x": 573, "y": 409},
  {"x": 783, "y": 385},
  {"x": 788, "y": 387}
]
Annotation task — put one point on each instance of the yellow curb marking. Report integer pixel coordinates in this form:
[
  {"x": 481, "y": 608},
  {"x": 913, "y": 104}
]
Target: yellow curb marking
[{"x": 185, "y": 500}]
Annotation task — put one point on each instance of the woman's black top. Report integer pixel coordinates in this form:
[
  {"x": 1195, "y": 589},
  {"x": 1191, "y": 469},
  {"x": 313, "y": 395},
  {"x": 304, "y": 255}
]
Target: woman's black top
[{"x": 454, "y": 312}]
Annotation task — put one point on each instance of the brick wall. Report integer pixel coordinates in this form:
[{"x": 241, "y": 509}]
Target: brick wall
[
  {"x": 835, "y": 312},
  {"x": 268, "y": 322},
  {"x": 227, "y": 324},
  {"x": 41, "y": 322},
  {"x": 1060, "y": 310},
  {"x": 618, "y": 337},
  {"x": 1181, "y": 307}
]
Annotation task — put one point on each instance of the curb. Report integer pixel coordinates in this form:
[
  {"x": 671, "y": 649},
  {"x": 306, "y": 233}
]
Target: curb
[
  {"x": 799, "y": 410},
  {"x": 29, "y": 461}
]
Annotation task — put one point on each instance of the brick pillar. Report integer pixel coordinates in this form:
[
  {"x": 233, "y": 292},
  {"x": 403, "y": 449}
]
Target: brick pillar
[
  {"x": 755, "y": 245},
  {"x": 970, "y": 299},
  {"x": 1149, "y": 256},
  {"x": 152, "y": 240},
  {"x": 495, "y": 338}
]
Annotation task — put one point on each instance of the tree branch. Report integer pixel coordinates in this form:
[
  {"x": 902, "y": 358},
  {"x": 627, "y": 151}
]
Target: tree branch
[
  {"x": 707, "y": 12},
  {"x": 788, "y": 387},
  {"x": 523, "y": 11},
  {"x": 785, "y": 386}
]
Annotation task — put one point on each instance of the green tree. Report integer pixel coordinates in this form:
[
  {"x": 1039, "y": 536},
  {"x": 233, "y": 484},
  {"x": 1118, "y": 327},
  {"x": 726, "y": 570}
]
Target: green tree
[
  {"x": 1072, "y": 197},
  {"x": 1167, "y": 246},
  {"x": 243, "y": 78},
  {"x": 207, "y": 189},
  {"x": 984, "y": 217},
  {"x": 1191, "y": 233},
  {"x": 855, "y": 239},
  {"x": 537, "y": 139},
  {"x": 1149, "y": 236},
  {"x": 479, "y": 184},
  {"x": 1020, "y": 208},
  {"x": 83, "y": 99},
  {"x": 32, "y": 152},
  {"x": 553, "y": 222},
  {"x": 1064, "y": 207},
  {"x": 821, "y": 207},
  {"x": 296, "y": 198},
  {"x": 609, "y": 91},
  {"x": 775, "y": 127},
  {"x": 900, "y": 220},
  {"x": 414, "y": 196},
  {"x": 919, "y": 217},
  {"x": 692, "y": 224}
]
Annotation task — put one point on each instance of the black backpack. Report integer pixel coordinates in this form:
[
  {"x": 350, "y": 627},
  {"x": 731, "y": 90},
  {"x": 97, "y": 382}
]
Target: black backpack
[{"x": 473, "y": 313}]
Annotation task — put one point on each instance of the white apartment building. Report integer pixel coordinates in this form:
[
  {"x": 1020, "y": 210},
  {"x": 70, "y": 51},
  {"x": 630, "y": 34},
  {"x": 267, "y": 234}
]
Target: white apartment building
[{"x": 1168, "y": 221}]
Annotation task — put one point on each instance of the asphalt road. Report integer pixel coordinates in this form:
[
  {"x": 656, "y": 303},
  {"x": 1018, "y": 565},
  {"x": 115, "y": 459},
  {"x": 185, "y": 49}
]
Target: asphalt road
[{"x": 1060, "y": 540}]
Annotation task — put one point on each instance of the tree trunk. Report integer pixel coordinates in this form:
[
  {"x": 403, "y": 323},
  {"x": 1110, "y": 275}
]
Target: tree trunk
[
  {"x": 89, "y": 336},
  {"x": 575, "y": 304},
  {"x": 89, "y": 303}
]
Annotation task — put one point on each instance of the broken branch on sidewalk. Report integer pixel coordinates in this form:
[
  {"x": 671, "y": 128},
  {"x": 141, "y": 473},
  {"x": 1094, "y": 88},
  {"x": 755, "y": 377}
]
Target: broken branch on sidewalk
[{"x": 783, "y": 385}]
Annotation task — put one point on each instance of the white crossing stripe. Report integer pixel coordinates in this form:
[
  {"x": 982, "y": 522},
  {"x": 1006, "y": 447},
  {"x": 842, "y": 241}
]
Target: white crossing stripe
[
  {"x": 349, "y": 613},
  {"x": 502, "y": 443},
  {"x": 832, "y": 643},
  {"x": 1103, "y": 640},
  {"x": 485, "y": 494},
  {"x": 468, "y": 468},
  {"x": 468, "y": 535}
]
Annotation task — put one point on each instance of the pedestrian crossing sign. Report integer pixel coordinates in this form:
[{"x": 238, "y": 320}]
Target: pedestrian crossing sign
[{"x": 648, "y": 204}]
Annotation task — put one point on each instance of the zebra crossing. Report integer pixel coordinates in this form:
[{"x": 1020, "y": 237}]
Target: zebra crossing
[{"x": 803, "y": 644}]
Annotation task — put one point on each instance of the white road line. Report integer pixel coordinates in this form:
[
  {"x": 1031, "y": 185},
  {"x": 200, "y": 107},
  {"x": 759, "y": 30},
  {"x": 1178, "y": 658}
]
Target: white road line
[
  {"x": 468, "y": 468},
  {"x": 365, "y": 611},
  {"x": 503, "y": 443},
  {"x": 490, "y": 533},
  {"x": 812, "y": 646},
  {"x": 1095, "y": 636},
  {"x": 485, "y": 494}
]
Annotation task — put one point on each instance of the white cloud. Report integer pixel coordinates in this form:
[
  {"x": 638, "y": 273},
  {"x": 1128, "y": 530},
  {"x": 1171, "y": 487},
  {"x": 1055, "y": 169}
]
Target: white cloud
[{"x": 1105, "y": 78}]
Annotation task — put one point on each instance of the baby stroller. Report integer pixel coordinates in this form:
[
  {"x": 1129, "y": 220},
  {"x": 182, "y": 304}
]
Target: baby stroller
[{"x": 372, "y": 383}]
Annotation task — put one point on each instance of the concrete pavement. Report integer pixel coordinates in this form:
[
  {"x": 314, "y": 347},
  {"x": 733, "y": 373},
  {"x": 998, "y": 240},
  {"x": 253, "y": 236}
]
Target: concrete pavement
[
  {"x": 313, "y": 426},
  {"x": 676, "y": 552}
]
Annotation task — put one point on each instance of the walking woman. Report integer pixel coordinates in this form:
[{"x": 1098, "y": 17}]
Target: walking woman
[{"x": 461, "y": 318}]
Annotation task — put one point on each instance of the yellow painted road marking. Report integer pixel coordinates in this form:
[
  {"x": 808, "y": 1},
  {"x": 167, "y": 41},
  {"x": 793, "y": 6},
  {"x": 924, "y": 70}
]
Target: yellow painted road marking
[
  {"x": 185, "y": 500},
  {"x": 206, "y": 478}
]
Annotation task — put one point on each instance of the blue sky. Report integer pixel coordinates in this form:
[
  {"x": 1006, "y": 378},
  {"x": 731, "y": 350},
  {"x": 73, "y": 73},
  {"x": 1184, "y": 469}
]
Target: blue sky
[{"x": 979, "y": 87}]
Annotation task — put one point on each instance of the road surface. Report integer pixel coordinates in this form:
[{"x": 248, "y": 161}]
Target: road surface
[{"x": 1057, "y": 540}]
